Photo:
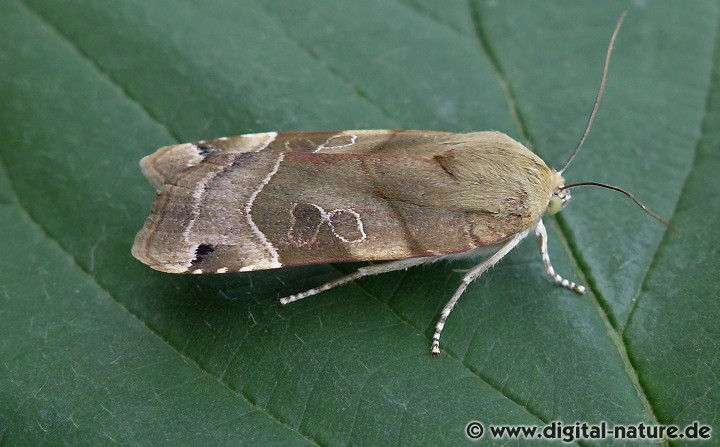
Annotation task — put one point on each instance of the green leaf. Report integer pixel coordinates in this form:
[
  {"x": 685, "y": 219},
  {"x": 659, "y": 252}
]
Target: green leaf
[{"x": 97, "y": 348}]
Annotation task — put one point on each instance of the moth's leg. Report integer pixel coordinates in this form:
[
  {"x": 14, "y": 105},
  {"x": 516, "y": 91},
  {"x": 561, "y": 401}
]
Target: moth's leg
[
  {"x": 471, "y": 276},
  {"x": 361, "y": 272},
  {"x": 541, "y": 234}
]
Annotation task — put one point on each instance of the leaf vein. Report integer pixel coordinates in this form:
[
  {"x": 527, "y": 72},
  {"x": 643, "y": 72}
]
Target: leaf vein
[
  {"x": 103, "y": 73},
  {"x": 705, "y": 125},
  {"x": 473, "y": 372},
  {"x": 563, "y": 232},
  {"x": 332, "y": 70}
]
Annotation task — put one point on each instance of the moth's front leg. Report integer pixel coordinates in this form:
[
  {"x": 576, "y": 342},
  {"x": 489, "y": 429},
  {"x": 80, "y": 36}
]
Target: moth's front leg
[
  {"x": 541, "y": 234},
  {"x": 471, "y": 276}
]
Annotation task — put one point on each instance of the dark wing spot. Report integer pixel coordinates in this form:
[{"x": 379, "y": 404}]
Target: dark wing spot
[
  {"x": 305, "y": 224},
  {"x": 201, "y": 253},
  {"x": 204, "y": 149}
]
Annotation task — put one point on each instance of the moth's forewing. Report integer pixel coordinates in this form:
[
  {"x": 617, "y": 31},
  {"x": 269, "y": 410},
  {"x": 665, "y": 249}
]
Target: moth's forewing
[
  {"x": 265, "y": 201},
  {"x": 169, "y": 161}
]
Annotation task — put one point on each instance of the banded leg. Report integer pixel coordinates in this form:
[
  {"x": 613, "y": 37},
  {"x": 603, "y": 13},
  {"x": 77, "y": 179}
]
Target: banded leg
[
  {"x": 392, "y": 266},
  {"x": 471, "y": 276},
  {"x": 541, "y": 234}
]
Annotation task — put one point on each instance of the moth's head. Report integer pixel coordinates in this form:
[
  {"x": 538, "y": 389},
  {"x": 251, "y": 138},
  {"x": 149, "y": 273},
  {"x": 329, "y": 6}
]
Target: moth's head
[{"x": 559, "y": 197}]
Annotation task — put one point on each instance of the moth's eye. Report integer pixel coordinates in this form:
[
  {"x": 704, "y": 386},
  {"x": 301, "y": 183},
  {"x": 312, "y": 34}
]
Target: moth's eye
[{"x": 554, "y": 206}]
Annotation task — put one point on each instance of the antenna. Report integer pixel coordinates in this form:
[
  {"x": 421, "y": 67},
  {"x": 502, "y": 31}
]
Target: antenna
[
  {"x": 599, "y": 94},
  {"x": 615, "y": 188}
]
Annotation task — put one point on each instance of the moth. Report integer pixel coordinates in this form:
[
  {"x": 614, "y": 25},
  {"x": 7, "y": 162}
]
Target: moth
[{"x": 410, "y": 197}]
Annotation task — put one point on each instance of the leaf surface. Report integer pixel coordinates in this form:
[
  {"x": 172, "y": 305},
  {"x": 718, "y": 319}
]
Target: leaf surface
[{"x": 97, "y": 348}]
